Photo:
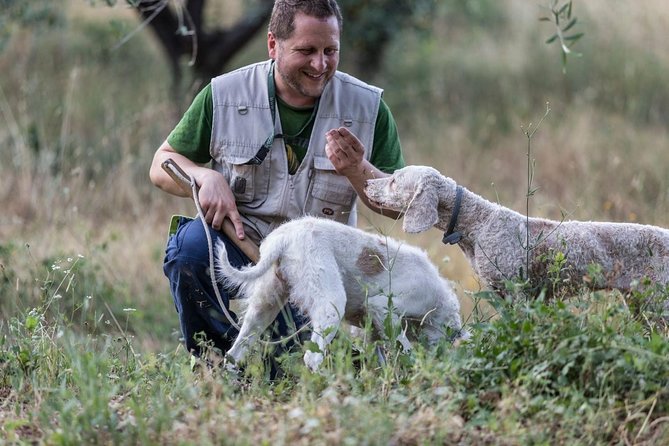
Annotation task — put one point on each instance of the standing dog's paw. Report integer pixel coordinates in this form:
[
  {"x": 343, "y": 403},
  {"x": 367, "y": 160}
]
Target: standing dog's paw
[
  {"x": 230, "y": 367},
  {"x": 313, "y": 360}
]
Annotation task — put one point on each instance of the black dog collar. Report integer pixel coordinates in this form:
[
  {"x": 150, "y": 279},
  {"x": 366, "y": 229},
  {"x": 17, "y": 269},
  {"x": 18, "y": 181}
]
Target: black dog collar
[{"x": 452, "y": 237}]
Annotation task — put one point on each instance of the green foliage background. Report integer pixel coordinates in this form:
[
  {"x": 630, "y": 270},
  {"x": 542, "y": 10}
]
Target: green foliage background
[{"x": 89, "y": 347}]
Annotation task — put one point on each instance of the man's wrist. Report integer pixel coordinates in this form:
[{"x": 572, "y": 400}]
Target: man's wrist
[{"x": 363, "y": 171}]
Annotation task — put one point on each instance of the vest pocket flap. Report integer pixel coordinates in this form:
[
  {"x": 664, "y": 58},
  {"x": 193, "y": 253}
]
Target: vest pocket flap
[
  {"x": 323, "y": 163},
  {"x": 330, "y": 191},
  {"x": 328, "y": 185},
  {"x": 234, "y": 153}
]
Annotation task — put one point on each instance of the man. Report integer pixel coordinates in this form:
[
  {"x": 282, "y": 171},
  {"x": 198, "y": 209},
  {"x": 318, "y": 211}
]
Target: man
[{"x": 270, "y": 142}]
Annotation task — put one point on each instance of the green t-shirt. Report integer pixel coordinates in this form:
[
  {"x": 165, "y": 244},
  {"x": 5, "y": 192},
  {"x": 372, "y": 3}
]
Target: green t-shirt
[{"x": 192, "y": 135}]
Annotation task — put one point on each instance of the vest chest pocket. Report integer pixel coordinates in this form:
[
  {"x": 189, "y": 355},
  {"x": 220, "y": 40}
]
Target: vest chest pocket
[
  {"x": 330, "y": 194},
  {"x": 242, "y": 182},
  {"x": 249, "y": 183}
]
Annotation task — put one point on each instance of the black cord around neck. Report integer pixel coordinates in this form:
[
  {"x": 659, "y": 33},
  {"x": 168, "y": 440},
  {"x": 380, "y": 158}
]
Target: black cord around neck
[{"x": 452, "y": 237}]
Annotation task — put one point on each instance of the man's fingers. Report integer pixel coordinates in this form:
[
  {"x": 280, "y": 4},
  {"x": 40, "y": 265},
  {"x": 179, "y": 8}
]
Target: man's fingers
[
  {"x": 217, "y": 221},
  {"x": 343, "y": 131},
  {"x": 210, "y": 217},
  {"x": 237, "y": 223},
  {"x": 336, "y": 144},
  {"x": 344, "y": 141}
]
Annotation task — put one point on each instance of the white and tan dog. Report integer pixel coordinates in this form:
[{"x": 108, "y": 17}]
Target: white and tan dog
[
  {"x": 330, "y": 271},
  {"x": 494, "y": 238}
]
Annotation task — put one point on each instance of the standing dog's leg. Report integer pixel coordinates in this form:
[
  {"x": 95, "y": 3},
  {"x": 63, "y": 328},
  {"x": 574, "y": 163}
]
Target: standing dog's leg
[
  {"x": 261, "y": 311},
  {"x": 325, "y": 318},
  {"x": 378, "y": 310}
]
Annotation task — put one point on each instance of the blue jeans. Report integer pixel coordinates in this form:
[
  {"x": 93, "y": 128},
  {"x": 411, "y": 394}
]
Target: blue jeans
[{"x": 186, "y": 266}]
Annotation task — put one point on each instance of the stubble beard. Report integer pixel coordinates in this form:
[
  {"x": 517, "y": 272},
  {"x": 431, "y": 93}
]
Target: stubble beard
[{"x": 294, "y": 83}]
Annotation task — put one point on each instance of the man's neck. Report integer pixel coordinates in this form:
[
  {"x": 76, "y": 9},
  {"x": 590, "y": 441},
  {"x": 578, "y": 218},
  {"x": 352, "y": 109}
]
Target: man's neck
[{"x": 290, "y": 97}]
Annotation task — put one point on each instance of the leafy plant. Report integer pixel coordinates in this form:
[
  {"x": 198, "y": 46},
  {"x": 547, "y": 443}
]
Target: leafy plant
[
  {"x": 560, "y": 15},
  {"x": 582, "y": 355}
]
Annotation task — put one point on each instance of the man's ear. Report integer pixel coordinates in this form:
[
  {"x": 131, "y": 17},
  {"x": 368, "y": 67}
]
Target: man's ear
[
  {"x": 271, "y": 45},
  {"x": 421, "y": 214}
]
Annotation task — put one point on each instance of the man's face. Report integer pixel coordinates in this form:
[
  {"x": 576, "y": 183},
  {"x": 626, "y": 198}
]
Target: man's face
[{"x": 307, "y": 60}]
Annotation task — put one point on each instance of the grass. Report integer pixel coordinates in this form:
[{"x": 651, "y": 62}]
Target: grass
[
  {"x": 89, "y": 349},
  {"x": 592, "y": 369}
]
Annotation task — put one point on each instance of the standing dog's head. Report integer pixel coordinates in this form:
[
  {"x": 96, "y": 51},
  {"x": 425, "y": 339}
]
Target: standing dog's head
[{"x": 412, "y": 190}]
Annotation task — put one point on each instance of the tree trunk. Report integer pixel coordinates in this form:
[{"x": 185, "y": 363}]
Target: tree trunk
[{"x": 181, "y": 35}]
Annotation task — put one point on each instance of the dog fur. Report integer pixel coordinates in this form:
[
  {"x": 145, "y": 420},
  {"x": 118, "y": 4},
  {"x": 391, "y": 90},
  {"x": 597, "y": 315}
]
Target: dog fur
[
  {"x": 494, "y": 237},
  {"x": 330, "y": 271}
]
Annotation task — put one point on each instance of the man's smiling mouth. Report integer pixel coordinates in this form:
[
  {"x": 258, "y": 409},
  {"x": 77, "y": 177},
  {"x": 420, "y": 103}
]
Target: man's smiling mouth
[{"x": 314, "y": 76}]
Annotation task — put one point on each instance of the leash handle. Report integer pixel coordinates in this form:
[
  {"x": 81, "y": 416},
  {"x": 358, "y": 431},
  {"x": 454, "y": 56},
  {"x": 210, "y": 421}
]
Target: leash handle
[
  {"x": 187, "y": 183},
  {"x": 178, "y": 175}
]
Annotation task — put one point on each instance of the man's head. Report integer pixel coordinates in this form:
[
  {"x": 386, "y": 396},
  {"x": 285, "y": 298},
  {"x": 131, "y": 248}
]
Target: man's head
[
  {"x": 303, "y": 39},
  {"x": 282, "y": 22}
]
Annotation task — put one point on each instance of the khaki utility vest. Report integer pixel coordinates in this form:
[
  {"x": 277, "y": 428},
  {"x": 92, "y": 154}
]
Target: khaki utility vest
[{"x": 266, "y": 194}]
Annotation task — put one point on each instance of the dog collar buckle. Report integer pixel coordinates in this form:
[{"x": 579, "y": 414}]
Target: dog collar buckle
[{"x": 452, "y": 238}]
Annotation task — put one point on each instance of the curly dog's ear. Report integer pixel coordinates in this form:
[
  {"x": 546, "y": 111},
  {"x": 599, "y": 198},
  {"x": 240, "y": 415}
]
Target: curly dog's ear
[{"x": 421, "y": 214}]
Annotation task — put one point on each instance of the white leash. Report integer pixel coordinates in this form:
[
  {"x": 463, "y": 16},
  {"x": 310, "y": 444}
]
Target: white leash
[{"x": 183, "y": 179}]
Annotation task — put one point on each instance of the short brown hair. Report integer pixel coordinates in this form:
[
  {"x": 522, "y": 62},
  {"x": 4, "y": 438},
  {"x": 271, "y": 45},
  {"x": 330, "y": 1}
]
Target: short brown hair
[{"x": 282, "y": 22}]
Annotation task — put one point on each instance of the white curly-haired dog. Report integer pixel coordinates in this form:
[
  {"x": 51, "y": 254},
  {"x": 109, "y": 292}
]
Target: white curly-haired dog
[
  {"x": 494, "y": 238},
  {"x": 330, "y": 271}
]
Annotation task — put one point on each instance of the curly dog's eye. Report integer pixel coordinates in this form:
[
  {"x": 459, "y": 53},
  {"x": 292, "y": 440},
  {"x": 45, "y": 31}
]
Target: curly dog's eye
[{"x": 391, "y": 185}]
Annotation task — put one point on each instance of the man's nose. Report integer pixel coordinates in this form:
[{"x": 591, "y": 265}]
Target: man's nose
[{"x": 318, "y": 62}]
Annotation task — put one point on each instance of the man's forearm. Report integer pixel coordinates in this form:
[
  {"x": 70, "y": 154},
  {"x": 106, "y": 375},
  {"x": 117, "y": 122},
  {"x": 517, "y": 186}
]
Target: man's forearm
[
  {"x": 367, "y": 171},
  {"x": 161, "y": 179}
]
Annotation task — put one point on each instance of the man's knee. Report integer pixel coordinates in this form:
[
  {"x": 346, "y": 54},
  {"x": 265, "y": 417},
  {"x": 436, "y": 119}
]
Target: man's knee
[{"x": 190, "y": 246}]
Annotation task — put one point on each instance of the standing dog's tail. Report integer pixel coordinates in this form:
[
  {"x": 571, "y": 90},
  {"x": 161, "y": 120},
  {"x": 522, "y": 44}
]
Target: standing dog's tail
[{"x": 233, "y": 277}]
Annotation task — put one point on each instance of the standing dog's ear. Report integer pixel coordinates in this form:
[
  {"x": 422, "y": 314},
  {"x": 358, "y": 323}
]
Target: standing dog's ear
[{"x": 421, "y": 214}]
